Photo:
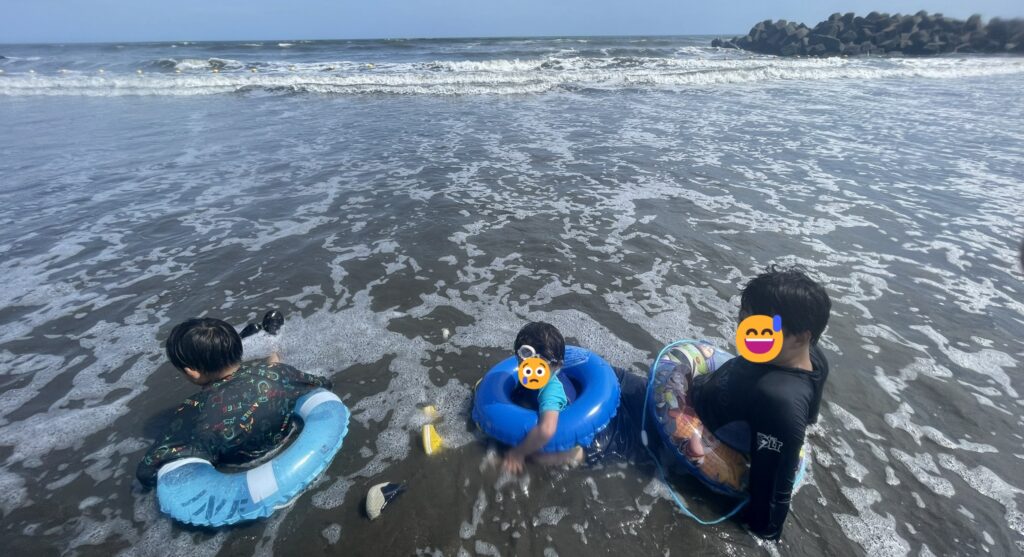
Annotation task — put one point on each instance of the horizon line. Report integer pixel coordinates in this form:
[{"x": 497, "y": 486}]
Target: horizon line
[{"x": 449, "y": 38}]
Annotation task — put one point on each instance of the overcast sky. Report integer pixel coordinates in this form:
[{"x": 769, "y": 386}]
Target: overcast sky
[{"x": 162, "y": 20}]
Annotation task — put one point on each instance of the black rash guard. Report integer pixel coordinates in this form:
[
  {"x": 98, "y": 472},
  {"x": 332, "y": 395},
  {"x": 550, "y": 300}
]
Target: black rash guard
[{"x": 777, "y": 404}]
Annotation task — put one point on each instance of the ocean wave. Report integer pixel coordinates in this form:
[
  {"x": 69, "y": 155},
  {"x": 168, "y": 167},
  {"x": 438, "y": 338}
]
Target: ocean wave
[
  {"x": 194, "y": 64},
  {"x": 905, "y": 208},
  {"x": 498, "y": 76}
]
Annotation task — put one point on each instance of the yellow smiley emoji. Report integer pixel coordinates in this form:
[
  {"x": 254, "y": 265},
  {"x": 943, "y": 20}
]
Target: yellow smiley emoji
[
  {"x": 534, "y": 373},
  {"x": 759, "y": 338}
]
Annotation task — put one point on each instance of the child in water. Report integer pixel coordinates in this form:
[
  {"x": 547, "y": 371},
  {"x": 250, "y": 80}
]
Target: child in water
[
  {"x": 547, "y": 343},
  {"x": 244, "y": 409},
  {"x": 776, "y": 400}
]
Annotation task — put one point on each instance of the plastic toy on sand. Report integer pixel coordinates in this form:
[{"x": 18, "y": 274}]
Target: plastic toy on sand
[{"x": 379, "y": 496}]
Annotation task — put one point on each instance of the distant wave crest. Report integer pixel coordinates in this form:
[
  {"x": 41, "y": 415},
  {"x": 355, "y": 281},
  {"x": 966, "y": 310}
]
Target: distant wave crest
[
  {"x": 498, "y": 76},
  {"x": 194, "y": 64}
]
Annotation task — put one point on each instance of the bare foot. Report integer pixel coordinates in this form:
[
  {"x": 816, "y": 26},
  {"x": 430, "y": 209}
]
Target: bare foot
[
  {"x": 579, "y": 456},
  {"x": 274, "y": 358}
]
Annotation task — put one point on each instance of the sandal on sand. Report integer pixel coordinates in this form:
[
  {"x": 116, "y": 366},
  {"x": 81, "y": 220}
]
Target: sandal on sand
[{"x": 250, "y": 329}]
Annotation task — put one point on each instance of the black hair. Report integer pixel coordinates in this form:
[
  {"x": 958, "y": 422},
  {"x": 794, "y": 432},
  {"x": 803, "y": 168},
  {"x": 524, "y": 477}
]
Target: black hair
[
  {"x": 206, "y": 345},
  {"x": 545, "y": 339},
  {"x": 802, "y": 303}
]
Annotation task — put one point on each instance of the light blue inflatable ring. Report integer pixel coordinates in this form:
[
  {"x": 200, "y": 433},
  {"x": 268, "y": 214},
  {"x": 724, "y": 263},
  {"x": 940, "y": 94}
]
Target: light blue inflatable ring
[
  {"x": 191, "y": 490},
  {"x": 596, "y": 402}
]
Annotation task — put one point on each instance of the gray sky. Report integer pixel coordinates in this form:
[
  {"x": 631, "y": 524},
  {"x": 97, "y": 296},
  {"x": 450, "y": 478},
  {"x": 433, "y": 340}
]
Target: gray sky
[{"x": 161, "y": 20}]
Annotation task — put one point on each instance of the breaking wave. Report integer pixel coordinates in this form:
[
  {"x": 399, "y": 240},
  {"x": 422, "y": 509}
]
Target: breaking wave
[{"x": 187, "y": 77}]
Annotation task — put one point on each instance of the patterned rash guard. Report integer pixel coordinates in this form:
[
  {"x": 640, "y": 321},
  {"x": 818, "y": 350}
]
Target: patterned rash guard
[{"x": 234, "y": 420}]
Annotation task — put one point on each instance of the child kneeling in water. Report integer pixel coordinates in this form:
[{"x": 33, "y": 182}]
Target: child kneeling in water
[
  {"x": 547, "y": 343},
  {"x": 621, "y": 436},
  {"x": 244, "y": 409}
]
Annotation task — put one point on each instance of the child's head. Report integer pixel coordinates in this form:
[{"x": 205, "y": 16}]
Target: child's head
[
  {"x": 203, "y": 348},
  {"x": 802, "y": 303},
  {"x": 545, "y": 340}
]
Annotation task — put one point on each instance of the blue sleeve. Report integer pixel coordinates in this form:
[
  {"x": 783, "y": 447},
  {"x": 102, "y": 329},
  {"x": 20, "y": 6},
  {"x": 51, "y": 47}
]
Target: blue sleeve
[{"x": 552, "y": 397}]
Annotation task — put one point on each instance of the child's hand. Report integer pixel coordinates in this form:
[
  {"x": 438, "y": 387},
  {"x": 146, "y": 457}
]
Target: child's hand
[{"x": 513, "y": 463}]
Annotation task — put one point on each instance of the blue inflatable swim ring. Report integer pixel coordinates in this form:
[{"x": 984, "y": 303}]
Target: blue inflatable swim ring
[
  {"x": 191, "y": 490},
  {"x": 726, "y": 461},
  {"x": 597, "y": 401}
]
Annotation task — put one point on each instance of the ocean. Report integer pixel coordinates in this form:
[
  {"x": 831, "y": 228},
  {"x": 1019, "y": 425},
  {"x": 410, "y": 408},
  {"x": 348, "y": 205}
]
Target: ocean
[{"x": 410, "y": 204}]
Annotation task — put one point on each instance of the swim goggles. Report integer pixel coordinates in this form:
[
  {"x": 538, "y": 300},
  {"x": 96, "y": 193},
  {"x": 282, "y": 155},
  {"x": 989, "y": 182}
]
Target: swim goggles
[{"x": 525, "y": 352}]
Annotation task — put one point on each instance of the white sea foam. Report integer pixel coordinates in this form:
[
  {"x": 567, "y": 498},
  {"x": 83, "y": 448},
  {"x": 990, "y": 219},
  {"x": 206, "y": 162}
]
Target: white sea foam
[
  {"x": 988, "y": 362},
  {"x": 890, "y": 476},
  {"x": 873, "y": 532},
  {"x": 895, "y": 385},
  {"x": 854, "y": 469},
  {"x": 193, "y": 64},
  {"x": 850, "y": 421},
  {"x": 484, "y": 548},
  {"x": 581, "y": 529},
  {"x": 62, "y": 427},
  {"x": 550, "y": 516},
  {"x": 468, "y": 529},
  {"x": 987, "y": 483},
  {"x": 923, "y": 467},
  {"x": 161, "y": 536},
  {"x": 13, "y": 493},
  {"x": 501, "y": 76},
  {"x": 332, "y": 533},
  {"x": 901, "y": 419}
]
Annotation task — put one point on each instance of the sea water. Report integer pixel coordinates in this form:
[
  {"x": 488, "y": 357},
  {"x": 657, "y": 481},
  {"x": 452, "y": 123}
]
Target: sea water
[{"x": 410, "y": 204}]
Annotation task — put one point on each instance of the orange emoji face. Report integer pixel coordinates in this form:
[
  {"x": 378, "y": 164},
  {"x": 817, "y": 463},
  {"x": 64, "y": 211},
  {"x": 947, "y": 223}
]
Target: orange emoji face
[
  {"x": 534, "y": 373},
  {"x": 759, "y": 338}
]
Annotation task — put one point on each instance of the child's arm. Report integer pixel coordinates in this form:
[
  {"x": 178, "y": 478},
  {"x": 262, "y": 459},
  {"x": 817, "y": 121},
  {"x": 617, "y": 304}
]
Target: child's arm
[
  {"x": 534, "y": 441},
  {"x": 176, "y": 444},
  {"x": 775, "y": 442}
]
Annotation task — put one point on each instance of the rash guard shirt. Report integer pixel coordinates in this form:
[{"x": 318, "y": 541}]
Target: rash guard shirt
[
  {"x": 777, "y": 404},
  {"x": 552, "y": 396},
  {"x": 232, "y": 421}
]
